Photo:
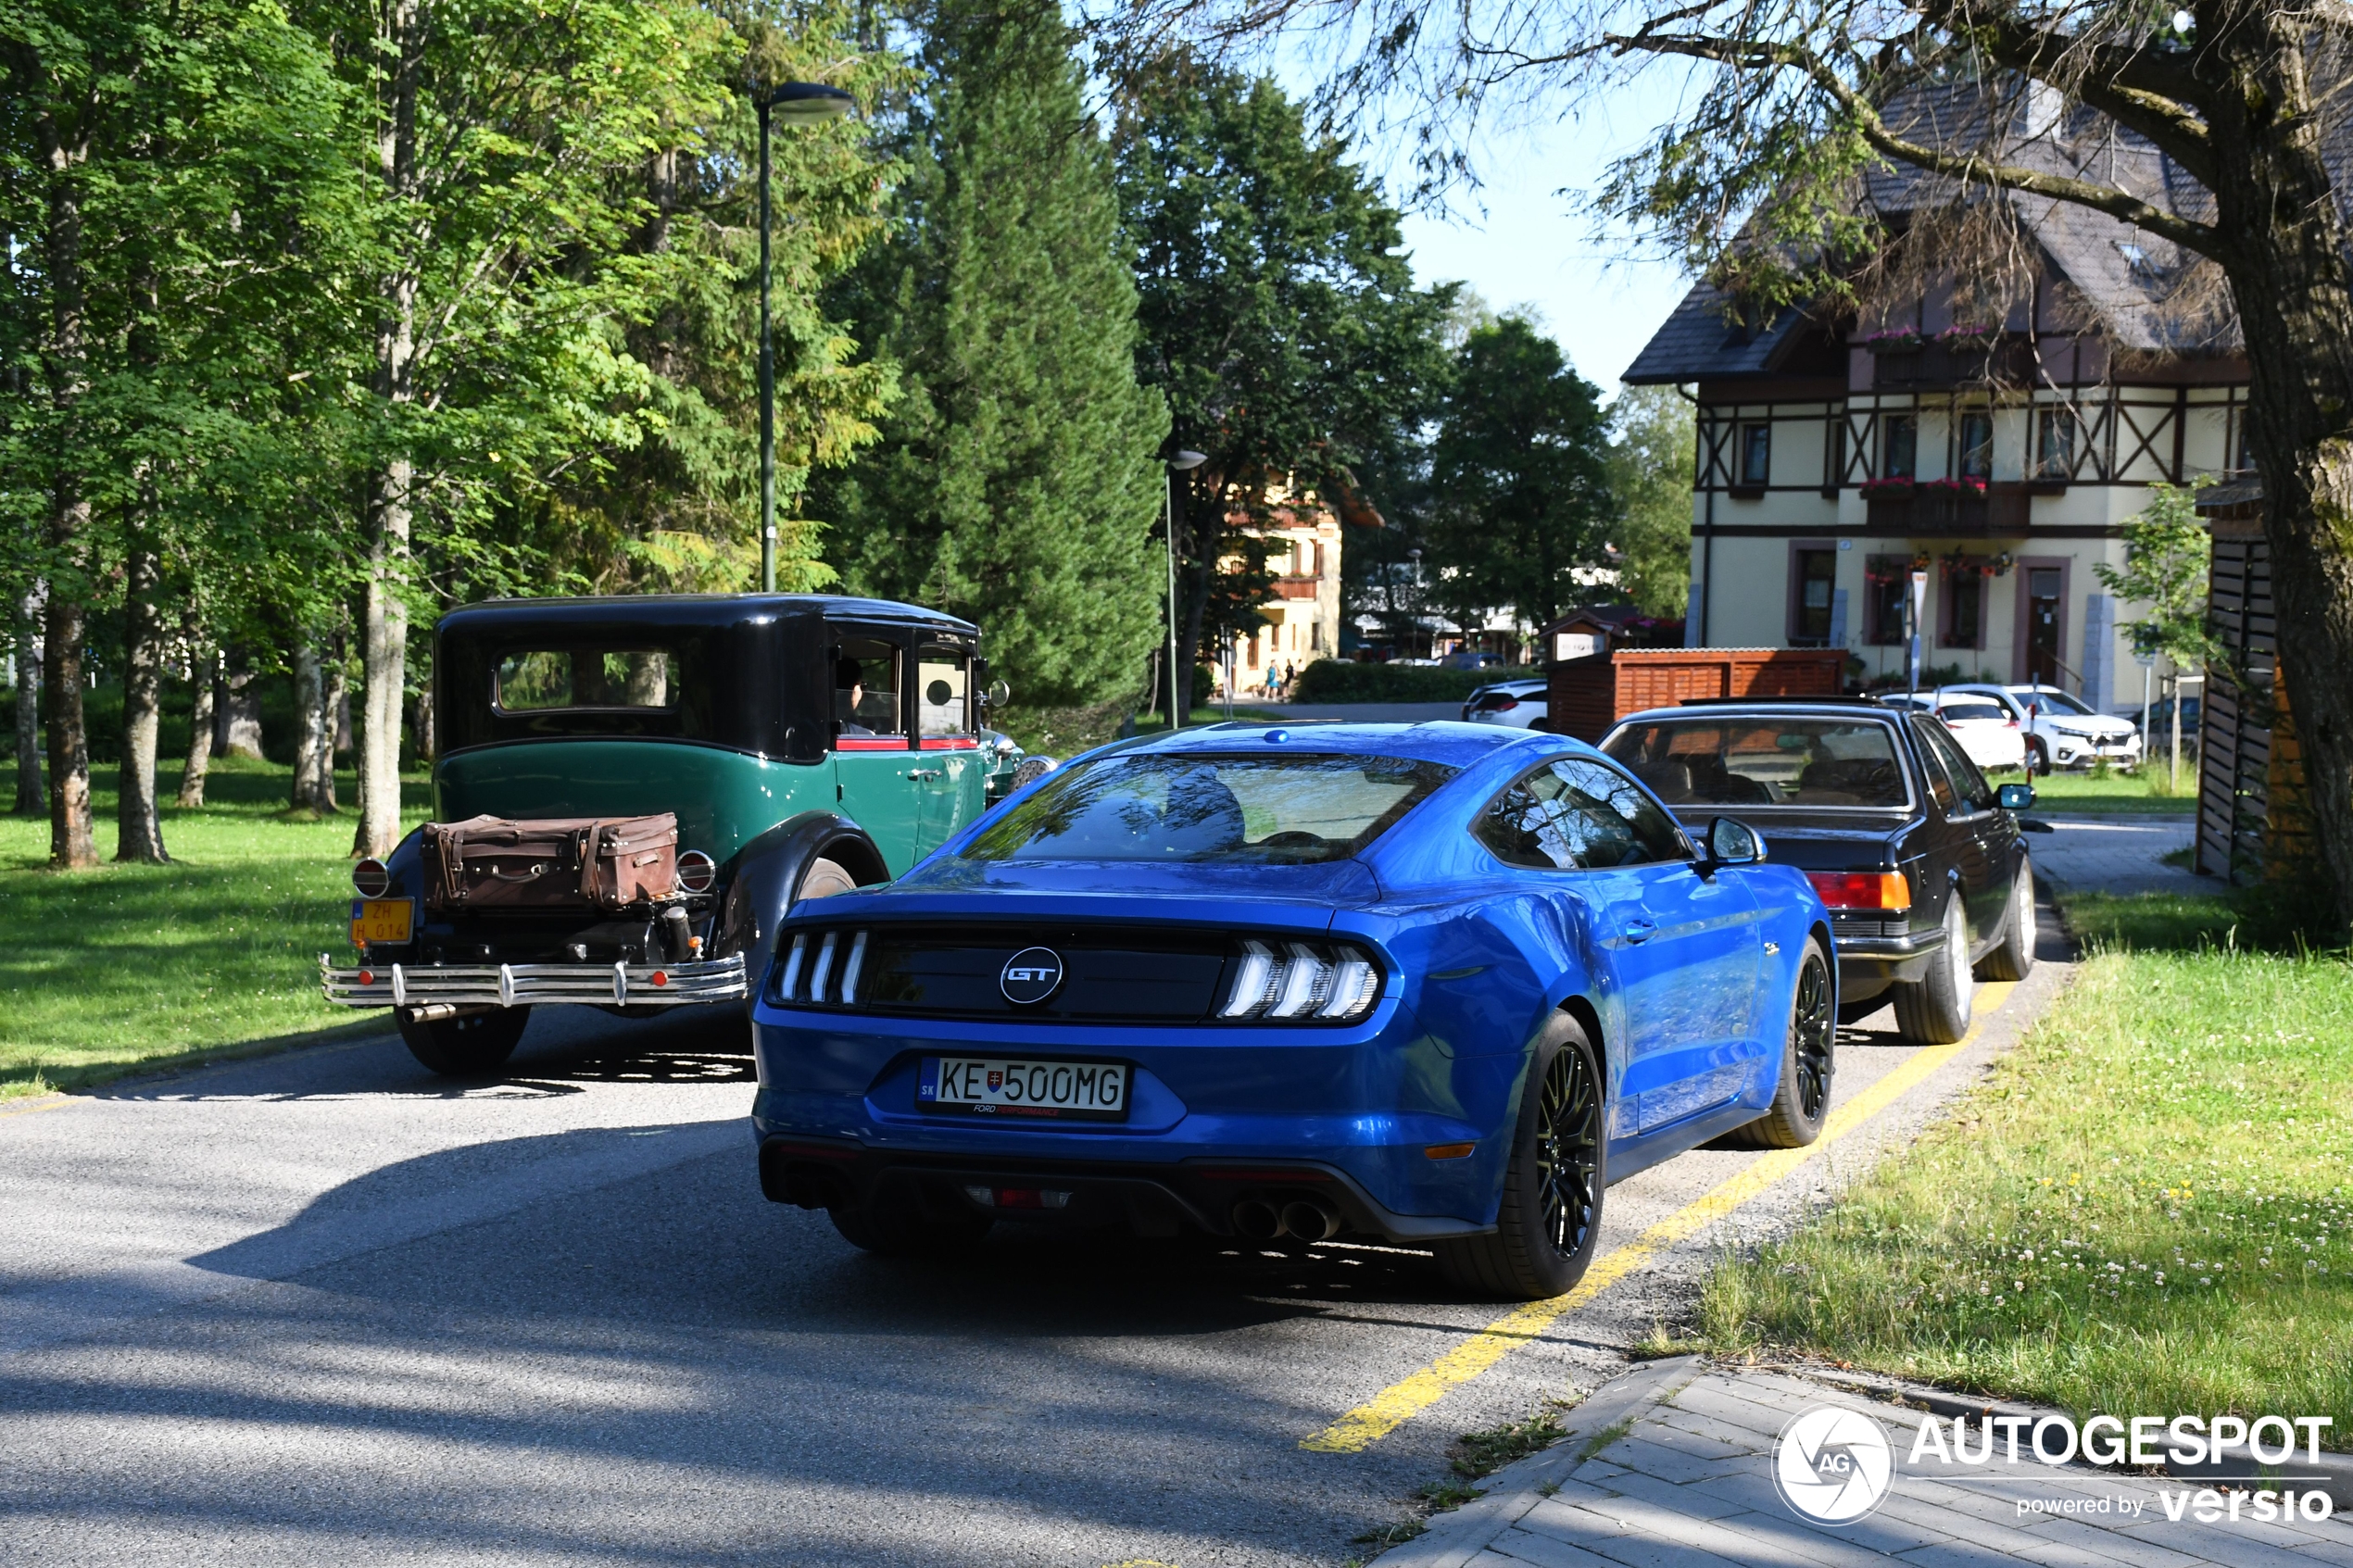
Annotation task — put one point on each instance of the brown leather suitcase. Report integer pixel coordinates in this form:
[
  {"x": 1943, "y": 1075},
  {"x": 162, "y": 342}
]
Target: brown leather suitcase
[{"x": 606, "y": 863}]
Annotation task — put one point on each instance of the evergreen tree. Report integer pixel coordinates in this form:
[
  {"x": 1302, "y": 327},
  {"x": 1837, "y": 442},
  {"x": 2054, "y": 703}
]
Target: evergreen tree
[{"x": 1015, "y": 483}]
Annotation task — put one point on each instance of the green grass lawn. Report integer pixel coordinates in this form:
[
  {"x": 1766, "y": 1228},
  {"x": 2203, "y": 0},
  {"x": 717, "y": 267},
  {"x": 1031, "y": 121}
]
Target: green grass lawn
[
  {"x": 2147, "y": 1209},
  {"x": 2115, "y": 791},
  {"x": 131, "y": 964}
]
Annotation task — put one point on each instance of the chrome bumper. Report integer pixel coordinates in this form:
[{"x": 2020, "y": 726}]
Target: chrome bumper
[{"x": 534, "y": 984}]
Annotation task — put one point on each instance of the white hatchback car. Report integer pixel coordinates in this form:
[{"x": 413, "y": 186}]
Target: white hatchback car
[
  {"x": 2061, "y": 731},
  {"x": 1984, "y": 727},
  {"x": 1515, "y": 704}
]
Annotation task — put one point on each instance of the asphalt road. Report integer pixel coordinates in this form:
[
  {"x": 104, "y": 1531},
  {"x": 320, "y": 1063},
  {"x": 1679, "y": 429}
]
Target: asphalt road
[{"x": 322, "y": 1308}]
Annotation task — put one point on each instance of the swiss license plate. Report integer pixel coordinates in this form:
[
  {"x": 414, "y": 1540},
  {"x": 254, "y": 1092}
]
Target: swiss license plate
[
  {"x": 1014, "y": 1086},
  {"x": 381, "y": 920}
]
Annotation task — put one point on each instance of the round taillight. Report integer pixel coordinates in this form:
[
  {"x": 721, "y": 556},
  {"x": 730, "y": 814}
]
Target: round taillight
[
  {"x": 661, "y": 977},
  {"x": 697, "y": 871},
  {"x": 372, "y": 878},
  {"x": 367, "y": 977}
]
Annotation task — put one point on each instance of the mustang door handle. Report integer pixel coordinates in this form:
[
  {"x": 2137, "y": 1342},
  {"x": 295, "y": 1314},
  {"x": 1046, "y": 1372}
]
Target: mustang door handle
[
  {"x": 1640, "y": 930},
  {"x": 924, "y": 775}
]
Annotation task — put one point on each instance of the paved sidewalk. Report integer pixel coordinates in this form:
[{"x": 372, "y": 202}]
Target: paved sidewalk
[
  {"x": 2117, "y": 854},
  {"x": 1672, "y": 1466}
]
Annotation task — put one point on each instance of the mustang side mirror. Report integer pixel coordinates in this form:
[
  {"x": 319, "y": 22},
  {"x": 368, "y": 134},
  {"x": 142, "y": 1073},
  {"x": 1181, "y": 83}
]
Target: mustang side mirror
[
  {"x": 2015, "y": 797},
  {"x": 1731, "y": 841},
  {"x": 997, "y": 695}
]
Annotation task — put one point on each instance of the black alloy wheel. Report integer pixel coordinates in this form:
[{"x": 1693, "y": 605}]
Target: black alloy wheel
[
  {"x": 1802, "y": 1098},
  {"x": 1569, "y": 1152},
  {"x": 1548, "y": 1215}
]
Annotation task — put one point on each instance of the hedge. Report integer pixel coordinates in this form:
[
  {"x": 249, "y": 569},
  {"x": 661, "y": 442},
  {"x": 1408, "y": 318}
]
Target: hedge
[{"x": 1340, "y": 680}]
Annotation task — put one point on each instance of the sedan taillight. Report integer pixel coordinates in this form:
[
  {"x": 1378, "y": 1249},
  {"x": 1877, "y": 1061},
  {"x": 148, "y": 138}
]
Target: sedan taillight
[{"x": 1862, "y": 890}]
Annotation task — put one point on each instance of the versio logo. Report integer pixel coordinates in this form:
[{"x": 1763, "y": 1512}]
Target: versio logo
[{"x": 1831, "y": 1465}]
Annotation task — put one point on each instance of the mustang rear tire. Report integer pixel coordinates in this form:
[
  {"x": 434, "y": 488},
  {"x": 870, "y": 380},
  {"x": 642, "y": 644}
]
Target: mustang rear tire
[
  {"x": 1934, "y": 1009},
  {"x": 1802, "y": 1098},
  {"x": 473, "y": 1045},
  {"x": 2014, "y": 957},
  {"x": 1551, "y": 1212}
]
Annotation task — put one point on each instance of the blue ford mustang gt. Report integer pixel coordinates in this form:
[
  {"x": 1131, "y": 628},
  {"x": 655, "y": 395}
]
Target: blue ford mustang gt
[{"x": 1438, "y": 983}]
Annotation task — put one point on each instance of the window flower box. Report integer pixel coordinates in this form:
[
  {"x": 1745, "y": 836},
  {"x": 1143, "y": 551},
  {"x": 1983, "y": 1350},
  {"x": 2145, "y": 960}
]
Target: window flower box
[
  {"x": 1894, "y": 489},
  {"x": 1894, "y": 340}
]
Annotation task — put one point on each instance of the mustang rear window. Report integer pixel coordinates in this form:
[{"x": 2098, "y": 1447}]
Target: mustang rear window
[
  {"x": 1282, "y": 810},
  {"x": 1765, "y": 762},
  {"x": 540, "y": 679}
]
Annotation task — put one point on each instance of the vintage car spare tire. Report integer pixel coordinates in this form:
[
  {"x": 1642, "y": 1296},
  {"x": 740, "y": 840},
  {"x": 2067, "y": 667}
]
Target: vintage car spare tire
[
  {"x": 823, "y": 880},
  {"x": 472, "y": 1045}
]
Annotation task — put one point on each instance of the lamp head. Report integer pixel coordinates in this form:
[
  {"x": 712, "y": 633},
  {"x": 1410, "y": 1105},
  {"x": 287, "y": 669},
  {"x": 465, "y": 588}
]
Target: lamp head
[
  {"x": 1186, "y": 461},
  {"x": 808, "y": 101}
]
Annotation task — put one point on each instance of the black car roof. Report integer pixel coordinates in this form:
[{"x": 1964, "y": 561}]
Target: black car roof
[{"x": 699, "y": 611}]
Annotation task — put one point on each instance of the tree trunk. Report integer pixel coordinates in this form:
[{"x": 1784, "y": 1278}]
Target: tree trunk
[
  {"x": 385, "y": 649},
  {"x": 204, "y": 670},
  {"x": 312, "y": 718},
  {"x": 2293, "y": 289},
  {"x": 138, "y": 823},
  {"x": 72, "y": 845},
  {"x": 338, "y": 727},
  {"x": 236, "y": 710},
  {"x": 33, "y": 800}
]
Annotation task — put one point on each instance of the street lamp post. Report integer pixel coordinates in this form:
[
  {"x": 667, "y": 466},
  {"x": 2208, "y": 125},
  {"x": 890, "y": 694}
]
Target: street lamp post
[
  {"x": 1184, "y": 461},
  {"x": 799, "y": 103}
]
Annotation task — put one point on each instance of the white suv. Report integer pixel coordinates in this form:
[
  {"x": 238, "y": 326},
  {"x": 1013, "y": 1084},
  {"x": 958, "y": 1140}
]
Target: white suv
[
  {"x": 2061, "y": 730},
  {"x": 1516, "y": 703}
]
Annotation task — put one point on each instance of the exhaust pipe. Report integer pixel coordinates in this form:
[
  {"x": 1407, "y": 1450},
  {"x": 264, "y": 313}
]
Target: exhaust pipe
[
  {"x": 1257, "y": 1220},
  {"x": 1311, "y": 1219}
]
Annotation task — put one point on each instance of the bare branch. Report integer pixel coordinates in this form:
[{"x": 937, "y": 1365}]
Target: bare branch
[{"x": 1966, "y": 166}]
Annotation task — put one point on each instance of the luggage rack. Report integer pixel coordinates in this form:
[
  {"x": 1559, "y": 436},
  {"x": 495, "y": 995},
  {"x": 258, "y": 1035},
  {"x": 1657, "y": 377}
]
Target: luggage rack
[{"x": 534, "y": 985}]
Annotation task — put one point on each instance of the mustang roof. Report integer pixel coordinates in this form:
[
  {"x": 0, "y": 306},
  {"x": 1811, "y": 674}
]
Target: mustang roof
[
  {"x": 1449, "y": 741},
  {"x": 708, "y": 611}
]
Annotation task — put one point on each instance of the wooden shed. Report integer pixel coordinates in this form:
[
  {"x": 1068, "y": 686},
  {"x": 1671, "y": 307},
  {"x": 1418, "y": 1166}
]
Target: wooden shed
[
  {"x": 1587, "y": 696},
  {"x": 2252, "y": 818}
]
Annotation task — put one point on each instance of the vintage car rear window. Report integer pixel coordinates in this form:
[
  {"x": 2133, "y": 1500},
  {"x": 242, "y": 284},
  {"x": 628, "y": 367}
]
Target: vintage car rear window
[
  {"x": 1789, "y": 761},
  {"x": 537, "y": 680},
  {"x": 1285, "y": 811}
]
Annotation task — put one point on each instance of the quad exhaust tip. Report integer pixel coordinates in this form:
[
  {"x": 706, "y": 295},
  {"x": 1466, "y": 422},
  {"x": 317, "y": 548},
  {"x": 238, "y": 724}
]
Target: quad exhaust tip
[{"x": 1309, "y": 1219}]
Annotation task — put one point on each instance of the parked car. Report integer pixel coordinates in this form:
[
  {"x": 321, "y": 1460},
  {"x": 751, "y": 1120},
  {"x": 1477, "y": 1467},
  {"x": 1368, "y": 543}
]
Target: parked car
[
  {"x": 733, "y": 757},
  {"x": 1919, "y": 858},
  {"x": 2061, "y": 731},
  {"x": 2160, "y": 730},
  {"x": 1518, "y": 705},
  {"x": 1426, "y": 985},
  {"x": 1984, "y": 727}
]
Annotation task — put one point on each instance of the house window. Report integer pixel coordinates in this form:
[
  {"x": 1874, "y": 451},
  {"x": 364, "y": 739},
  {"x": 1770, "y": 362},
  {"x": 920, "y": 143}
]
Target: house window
[
  {"x": 1964, "y": 609},
  {"x": 1899, "y": 447},
  {"x": 1883, "y": 583},
  {"x": 1757, "y": 454},
  {"x": 1810, "y": 612},
  {"x": 1976, "y": 454},
  {"x": 1315, "y": 636},
  {"x": 2054, "y": 443}
]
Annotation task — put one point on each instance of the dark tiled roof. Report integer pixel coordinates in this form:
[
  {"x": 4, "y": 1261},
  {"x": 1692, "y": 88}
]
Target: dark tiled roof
[{"x": 1700, "y": 342}]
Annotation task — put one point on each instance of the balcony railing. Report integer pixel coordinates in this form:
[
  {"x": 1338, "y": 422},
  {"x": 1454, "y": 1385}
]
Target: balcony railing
[{"x": 1933, "y": 511}]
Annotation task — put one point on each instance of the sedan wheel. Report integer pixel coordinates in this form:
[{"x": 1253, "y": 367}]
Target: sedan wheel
[
  {"x": 2014, "y": 957},
  {"x": 1551, "y": 1211},
  {"x": 1934, "y": 1010}
]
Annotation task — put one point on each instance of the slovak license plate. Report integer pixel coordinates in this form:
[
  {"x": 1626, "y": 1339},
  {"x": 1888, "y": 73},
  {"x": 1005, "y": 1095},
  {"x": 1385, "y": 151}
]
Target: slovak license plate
[
  {"x": 381, "y": 920},
  {"x": 1011, "y": 1086}
]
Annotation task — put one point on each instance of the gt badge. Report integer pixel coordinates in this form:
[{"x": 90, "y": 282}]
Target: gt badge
[{"x": 1031, "y": 975}]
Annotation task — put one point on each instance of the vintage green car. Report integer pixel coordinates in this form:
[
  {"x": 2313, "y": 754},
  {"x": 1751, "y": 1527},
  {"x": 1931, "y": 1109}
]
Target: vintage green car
[{"x": 806, "y": 745}]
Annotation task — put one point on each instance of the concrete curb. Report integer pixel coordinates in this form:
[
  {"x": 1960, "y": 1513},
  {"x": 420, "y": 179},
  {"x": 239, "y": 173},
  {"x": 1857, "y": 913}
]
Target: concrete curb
[{"x": 1455, "y": 1539}]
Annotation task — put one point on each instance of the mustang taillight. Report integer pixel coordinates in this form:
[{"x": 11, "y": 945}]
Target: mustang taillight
[
  {"x": 1862, "y": 890},
  {"x": 1301, "y": 980},
  {"x": 822, "y": 967}
]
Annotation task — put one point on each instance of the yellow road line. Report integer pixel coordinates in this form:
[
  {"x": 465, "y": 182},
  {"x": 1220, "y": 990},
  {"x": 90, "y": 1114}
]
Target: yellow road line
[
  {"x": 1400, "y": 1402},
  {"x": 45, "y": 1103}
]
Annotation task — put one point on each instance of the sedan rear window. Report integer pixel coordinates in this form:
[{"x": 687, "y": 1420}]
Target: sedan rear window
[
  {"x": 1764, "y": 761},
  {"x": 1290, "y": 810}
]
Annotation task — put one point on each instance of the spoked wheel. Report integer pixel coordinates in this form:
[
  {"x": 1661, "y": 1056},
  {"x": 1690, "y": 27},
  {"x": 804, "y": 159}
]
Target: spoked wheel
[
  {"x": 1551, "y": 1209},
  {"x": 1802, "y": 1098},
  {"x": 1934, "y": 1009}
]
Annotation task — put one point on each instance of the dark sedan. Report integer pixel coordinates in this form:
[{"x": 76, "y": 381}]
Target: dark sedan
[{"x": 1918, "y": 856}]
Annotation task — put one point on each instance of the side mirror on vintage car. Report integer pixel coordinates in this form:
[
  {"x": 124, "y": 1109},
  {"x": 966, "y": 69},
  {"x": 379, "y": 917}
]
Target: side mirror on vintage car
[
  {"x": 997, "y": 695},
  {"x": 1731, "y": 841},
  {"x": 2015, "y": 797}
]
